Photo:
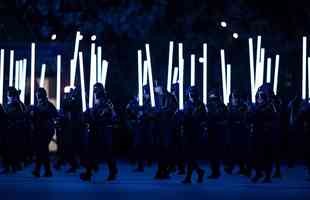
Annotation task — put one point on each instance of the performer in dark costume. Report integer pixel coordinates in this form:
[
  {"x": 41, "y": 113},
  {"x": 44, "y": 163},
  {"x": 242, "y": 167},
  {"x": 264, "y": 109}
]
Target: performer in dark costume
[
  {"x": 217, "y": 124},
  {"x": 194, "y": 120},
  {"x": 100, "y": 120},
  {"x": 44, "y": 115},
  {"x": 265, "y": 115}
]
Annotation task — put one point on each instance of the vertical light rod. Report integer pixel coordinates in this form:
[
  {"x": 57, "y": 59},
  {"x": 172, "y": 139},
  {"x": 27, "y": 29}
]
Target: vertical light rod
[
  {"x": 75, "y": 57},
  {"x": 17, "y": 74},
  {"x": 42, "y": 77},
  {"x": 276, "y": 75},
  {"x": 105, "y": 65},
  {"x": 223, "y": 66},
  {"x": 204, "y": 60},
  {"x": 149, "y": 64},
  {"x": 258, "y": 60},
  {"x": 252, "y": 75},
  {"x": 140, "y": 84},
  {"x": 145, "y": 73},
  {"x": 228, "y": 83},
  {"x": 193, "y": 60},
  {"x": 83, "y": 92},
  {"x": 304, "y": 67},
  {"x": 11, "y": 78},
  {"x": 170, "y": 62},
  {"x": 99, "y": 64},
  {"x": 32, "y": 75},
  {"x": 268, "y": 70},
  {"x": 175, "y": 75},
  {"x": 181, "y": 77},
  {"x": 58, "y": 92},
  {"x": 1, "y": 75}
]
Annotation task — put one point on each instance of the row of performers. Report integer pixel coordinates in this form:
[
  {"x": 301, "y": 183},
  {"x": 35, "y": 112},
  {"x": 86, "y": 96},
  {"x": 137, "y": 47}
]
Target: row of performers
[{"x": 249, "y": 136}]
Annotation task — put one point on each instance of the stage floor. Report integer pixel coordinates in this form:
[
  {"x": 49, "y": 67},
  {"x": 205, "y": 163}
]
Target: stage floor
[{"x": 142, "y": 186}]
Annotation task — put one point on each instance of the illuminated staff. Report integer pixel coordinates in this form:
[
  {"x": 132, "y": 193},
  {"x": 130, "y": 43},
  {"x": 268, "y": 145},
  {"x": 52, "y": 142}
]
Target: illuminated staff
[
  {"x": 17, "y": 74},
  {"x": 276, "y": 75},
  {"x": 150, "y": 77},
  {"x": 11, "y": 78},
  {"x": 261, "y": 66},
  {"x": 252, "y": 70},
  {"x": 105, "y": 65},
  {"x": 181, "y": 77},
  {"x": 204, "y": 60},
  {"x": 92, "y": 72},
  {"x": 304, "y": 68},
  {"x": 170, "y": 66},
  {"x": 1, "y": 75},
  {"x": 145, "y": 73},
  {"x": 99, "y": 65},
  {"x": 140, "y": 83},
  {"x": 258, "y": 61},
  {"x": 175, "y": 75},
  {"x": 228, "y": 82},
  {"x": 58, "y": 86},
  {"x": 23, "y": 79},
  {"x": 223, "y": 67},
  {"x": 268, "y": 70},
  {"x": 43, "y": 71},
  {"x": 193, "y": 59},
  {"x": 75, "y": 57},
  {"x": 32, "y": 75},
  {"x": 309, "y": 79},
  {"x": 82, "y": 82}
]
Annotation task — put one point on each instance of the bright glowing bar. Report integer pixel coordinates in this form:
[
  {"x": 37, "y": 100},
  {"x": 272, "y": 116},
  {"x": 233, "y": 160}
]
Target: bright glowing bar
[
  {"x": 140, "y": 84},
  {"x": 149, "y": 64},
  {"x": 258, "y": 60},
  {"x": 83, "y": 92},
  {"x": 228, "y": 83},
  {"x": 193, "y": 59},
  {"x": 170, "y": 66},
  {"x": 175, "y": 75},
  {"x": 204, "y": 60},
  {"x": 304, "y": 67},
  {"x": 92, "y": 80},
  {"x": 268, "y": 70},
  {"x": 42, "y": 77},
  {"x": 32, "y": 75},
  {"x": 11, "y": 68},
  {"x": 24, "y": 77},
  {"x": 1, "y": 75},
  {"x": 58, "y": 86},
  {"x": 181, "y": 77},
  {"x": 262, "y": 68},
  {"x": 99, "y": 64},
  {"x": 276, "y": 75},
  {"x": 75, "y": 57},
  {"x": 251, "y": 57},
  {"x": 105, "y": 65},
  {"x": 17, "y": 74},
  {"x": 145, "y": 73},
  {"x": 223, "y": 66},
  {"x": 309, "y": 79}
]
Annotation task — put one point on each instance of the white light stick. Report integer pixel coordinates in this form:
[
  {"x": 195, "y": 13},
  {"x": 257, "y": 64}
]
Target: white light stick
[
  {"x": 82, "y": 82},
  {"x": 276, "y": 75},
  {"x": 140, "y": 86},
  {"x": 11, "y": 68},
  {"x": 17, "y": 74},
  {"x": 170, "y": 66},
  {"x": 32, "y": 75},
  {"x": 251, "y": 56},
  {"x": 105, "y": 65},
  {"x": 71, "y": 72},
  {"x": 262, "y": 67},
  {"x": 75, "y": 57},
  {"x": 58, "y": 93},
  {"x": 268, "y": 70},
  {"x": 223, "y": 66},
  {"x": 149, "y": 64},
  {"x": 20, "y": 80},
  {"x": 204, "y": 60},
  {"x": 43, "y": 70},
  {"x": 24, "y": 77},
  {"x": 145, "y": 73},
  {"x": 1, "y": 75},
  {"x": 175, "y": 75},
  {"x": 193, "y": 59},
  {"x": 258, "y": 60},
  {"x": 92, "y": 80},
  {"x": 99, "y": 64},
  {"x": 309, "y": 79},
  {"x": 228, "y": 83},
  {"x": 304, "y": 67},
  {"x": 181, "y": 77}
]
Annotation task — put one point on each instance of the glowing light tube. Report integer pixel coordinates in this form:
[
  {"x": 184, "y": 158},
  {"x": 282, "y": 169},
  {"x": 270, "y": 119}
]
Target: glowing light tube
[
  {"x": 252, "y": 76},
  {"x": 228, "y": 83},
  {"x": 140, "y": 86},
  {"x": 204, "y": 60},
  {"x": 223, "y": 66},
  {"x": 149, "y": 64},
  {"x": 32, "y": 75},
  {"x": 82, "y": 81},
  {"x": 258, "y": 60},
  {"x": 276, "y": 75},
  {"x": 105, "y": 65},
  {"x": 262, "y": 67},
  {"x": 181, "y": 77},
  {"x": 24, "y": 77},
  {"x": 193, "y": 58},
  {"x": 304, "y": 67},
  {"x": 145, "y": 73},
  {"x": 92, "y": 80},
  {"x": 75, "y": 57},
  {"x": 11, "y": 78},
  {"x": 175, "y": 75},
  {"x": 99, "y": 64},
  {"x": 309, "y": 79},
  {"x": 58, "y": 93},
  {"x": 17, "y": 74},
  {"x": 170, "y": 66},
  {"x": 43, "y": 70},
  {"x": 1, "y": 75},
  {"x": 268, "y": 70}
]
